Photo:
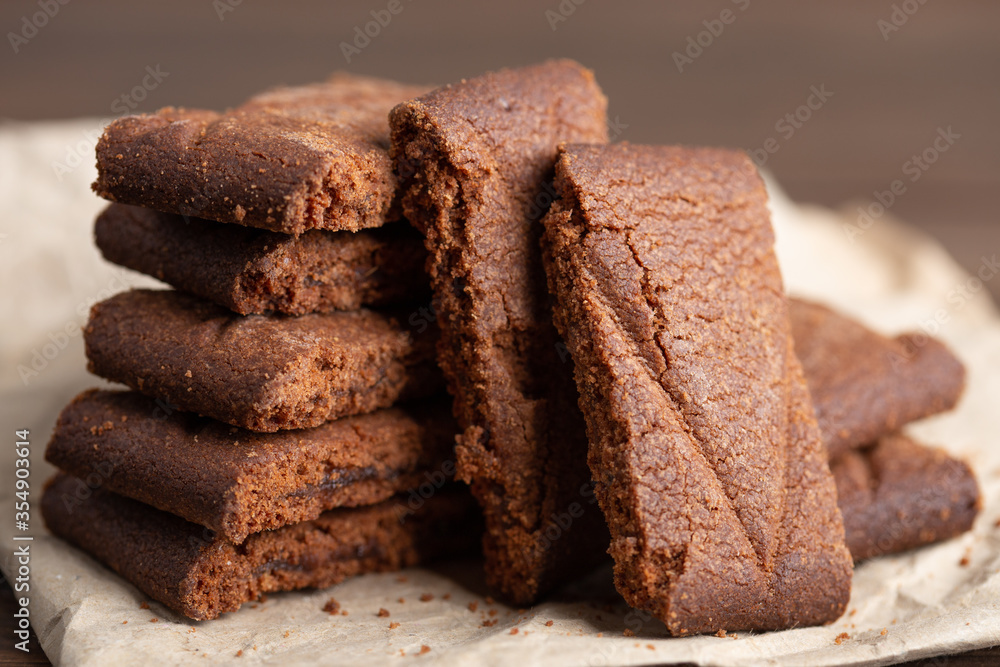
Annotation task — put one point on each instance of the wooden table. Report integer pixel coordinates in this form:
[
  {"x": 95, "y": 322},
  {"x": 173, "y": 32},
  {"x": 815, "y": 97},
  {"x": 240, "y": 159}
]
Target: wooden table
[{"x": 893, "y": 90}]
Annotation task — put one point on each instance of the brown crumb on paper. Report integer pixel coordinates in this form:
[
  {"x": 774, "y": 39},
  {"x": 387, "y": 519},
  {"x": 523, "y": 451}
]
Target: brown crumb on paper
[
  {"x": 884, "y": 632},
  {"x": 426, "y": 597},
  {"x": 383, "y": 612},
  {"x": 446, "y": 596},
  {"x": 424, "y": 649},
  {"x": 393, "y": 625},
  {"x": 490, "y": 600},
  {"x": 473, "y": 606},
  {"x": 628, "y": 633},
  {"x": 489, "y": 623},
  {"x": 513, "y": 631},
  {"x": 239, "y": 653},
  {"x": 143, "y": 605},
  {"x": 721, "y": 634},
  {"x": 332, "y": 606},
  {"x": 154, "y": 620},
  {"x": 841, "y": 637},
  {"x": 549, "y": 623}
]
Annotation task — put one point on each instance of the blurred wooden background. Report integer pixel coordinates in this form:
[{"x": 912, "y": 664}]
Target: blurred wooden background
[
  {"x": 893, "y": 84},
  {"x": 898, "y": 70}
]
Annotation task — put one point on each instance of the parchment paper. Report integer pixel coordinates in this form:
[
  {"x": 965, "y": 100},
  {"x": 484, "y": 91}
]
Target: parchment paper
[{"x": 918, "y": 604}]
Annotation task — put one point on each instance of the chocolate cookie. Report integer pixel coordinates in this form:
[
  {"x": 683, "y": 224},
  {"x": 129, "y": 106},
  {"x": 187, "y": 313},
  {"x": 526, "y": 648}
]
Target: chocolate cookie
[
  {"x": 865, "y": 385},
  {"x": 288, "y": 160},
  {"x": 897, "y": 494},
  {"x": 475, "y": 160},
  {"x": 706, "y": 455},
  {"x": 238, "y": 482},
  {"x": 261, "y": 373},
  {"x": 255, "y": 271},
  {"x": 201, "y": 575}
]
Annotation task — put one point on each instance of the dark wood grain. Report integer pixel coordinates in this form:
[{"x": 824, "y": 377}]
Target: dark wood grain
[{"x": 889, "y": 95}]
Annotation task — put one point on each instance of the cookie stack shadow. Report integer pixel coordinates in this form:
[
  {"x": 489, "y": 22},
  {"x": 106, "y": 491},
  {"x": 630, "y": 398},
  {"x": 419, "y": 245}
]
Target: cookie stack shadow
[{"x": 286, "y": 424}]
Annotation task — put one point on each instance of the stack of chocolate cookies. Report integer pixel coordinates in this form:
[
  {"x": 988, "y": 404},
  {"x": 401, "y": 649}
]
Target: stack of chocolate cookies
[
  {"x": 283, "y": 408},
  {"x": 627, "y": 375}
]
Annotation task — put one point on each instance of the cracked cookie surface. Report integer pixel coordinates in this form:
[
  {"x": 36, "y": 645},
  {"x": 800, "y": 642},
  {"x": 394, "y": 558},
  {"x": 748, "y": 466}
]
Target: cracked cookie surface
[{"x": 704, "y": 448}]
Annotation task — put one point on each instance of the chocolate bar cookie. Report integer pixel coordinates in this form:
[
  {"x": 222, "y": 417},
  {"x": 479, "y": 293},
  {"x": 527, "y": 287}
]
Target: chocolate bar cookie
[
  {"x": 201, "y": 575},
  {"x": 707, "y": 459},
  {"x": 255, "y": 271},
  {"x": 865, "y": 385},
  {"x": 288, "y": 160},
  {"x": 261, "y": 373},
  {"x": 238, "y": 482},
  {"x": 897, "y": 494},
  {"x": 475, "y": 160}
]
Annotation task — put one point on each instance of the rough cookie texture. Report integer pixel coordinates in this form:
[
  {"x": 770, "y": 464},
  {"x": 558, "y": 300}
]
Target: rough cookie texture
[
  {"x": 475, "y": 160},
  {"x": 288, "y": 160},
  {"x": 258, "y": 372},
  {"x": 255, "y": 271},
  {"x": 238, "y": 482},
  {"x": 200, "y": 574},
  {"x": 865, "y": 385},
  {"x": 896, "y": 495},
  {"x": 706, "y": 455}
]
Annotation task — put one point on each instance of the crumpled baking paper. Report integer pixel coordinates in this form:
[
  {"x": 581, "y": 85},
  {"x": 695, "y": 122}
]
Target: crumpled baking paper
[{"x": 922, "y": 603}]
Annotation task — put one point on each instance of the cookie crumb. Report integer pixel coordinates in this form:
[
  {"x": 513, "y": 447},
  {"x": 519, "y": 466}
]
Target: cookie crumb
[
  {"x": 287, "y": 633},
  {"x": 473, "y": 605},
  {"x": 884, "y": 632},
  {"x": 490, "y": 600},
  {"x": 401, "y": 600},
  {"x": 124, "y": 622},
  {"x": 154, "y": 620},
  {"x": 628, "y": 633},
  {"x": 190, "y": 630},
  {"x": 489, "y": 623},
  {"x": 332, "y": 606},
  {"x": 852, "y": 612},
  {"x": 549, "y": 623},
  {"x": 493, "y": 612},
  {"x": 446, "y": 596},
  {"x": 393, "y": 625},
  {"x": 841, "y": 637},
  {"x": 513, "y": 631},
  {"x": 650, "y": 647},
  {"x": 426, "y": 597},
  {"x": 383, "y": 612},
  {"x": 143, "y": 605},
  {"x": 343, "y": 613},
  {"x": 721, "y": 634},
  {"x": 424, "y": 649},
  {"x": 239, "y": 653}
]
